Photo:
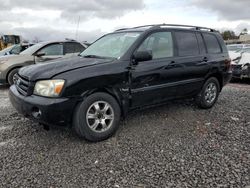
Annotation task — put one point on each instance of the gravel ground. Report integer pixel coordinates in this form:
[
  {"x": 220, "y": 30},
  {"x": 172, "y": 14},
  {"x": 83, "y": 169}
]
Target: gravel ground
[{"x": 175, "y": 145}]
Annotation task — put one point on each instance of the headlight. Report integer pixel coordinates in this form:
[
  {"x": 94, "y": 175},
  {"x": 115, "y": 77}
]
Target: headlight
[
  {"x": 49, "y": 88},
  {"x": 244, "y": 67}
]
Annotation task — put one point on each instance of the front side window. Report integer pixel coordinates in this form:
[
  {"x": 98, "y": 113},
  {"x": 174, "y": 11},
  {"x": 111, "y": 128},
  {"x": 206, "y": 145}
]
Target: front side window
[
  {"x": 213, "y": 46},
  {"x": 159, "y": 44},
  {"x": 52, "y": 50},
  {"x": 187, "y": 43},
  {"x": 112, "y": 45}
]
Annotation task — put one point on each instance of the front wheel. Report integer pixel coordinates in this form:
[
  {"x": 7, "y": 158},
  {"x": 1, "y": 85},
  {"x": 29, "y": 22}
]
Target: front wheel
[
  {"x": 97, "y": 117},
  {"x": 10, "y": 77},
  {"x": 209, "y": 93}
]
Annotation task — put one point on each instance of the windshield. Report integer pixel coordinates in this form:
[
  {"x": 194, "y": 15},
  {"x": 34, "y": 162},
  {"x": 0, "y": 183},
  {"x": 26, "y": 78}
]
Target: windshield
[
  {"x": 111, "y": 46},
  {"x": 31, "y": 50}
]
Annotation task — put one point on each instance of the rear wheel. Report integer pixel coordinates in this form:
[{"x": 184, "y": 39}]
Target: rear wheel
[
  {"x": 97, "y": 117},
  {"x": 209, "y": 93},
  {"x": 11, "y": 76}
]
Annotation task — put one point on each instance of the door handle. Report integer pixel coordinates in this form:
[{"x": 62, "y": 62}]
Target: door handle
[
  {"x": 171, "y": 65},
  {"x": 205, "y": 59},
  {"x": 172, "y": 62}
]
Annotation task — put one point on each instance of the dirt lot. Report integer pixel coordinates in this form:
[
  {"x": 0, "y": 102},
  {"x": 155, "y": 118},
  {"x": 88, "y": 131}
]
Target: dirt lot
[{"x": 175, "y": 145}]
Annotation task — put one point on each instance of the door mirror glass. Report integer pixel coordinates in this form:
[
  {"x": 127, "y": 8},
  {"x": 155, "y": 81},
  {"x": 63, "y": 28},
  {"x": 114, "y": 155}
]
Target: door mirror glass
[{"x": 142, "y": 56}]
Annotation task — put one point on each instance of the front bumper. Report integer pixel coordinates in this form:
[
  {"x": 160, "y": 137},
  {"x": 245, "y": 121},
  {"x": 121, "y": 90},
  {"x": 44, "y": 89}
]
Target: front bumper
[{"x": 49, "y": 111}]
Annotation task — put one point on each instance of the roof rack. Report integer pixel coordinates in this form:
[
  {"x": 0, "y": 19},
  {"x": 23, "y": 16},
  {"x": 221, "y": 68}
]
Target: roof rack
[
  {"x": 171, "y": 25},
  {"x": 137, "y": 27}
]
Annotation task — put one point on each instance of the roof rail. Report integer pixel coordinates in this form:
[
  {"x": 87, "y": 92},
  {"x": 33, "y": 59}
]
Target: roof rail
[
  {"x": 171, "y": 25},
  {"x": 137, "y": 27},
  {"x": 187, "y": 26}
]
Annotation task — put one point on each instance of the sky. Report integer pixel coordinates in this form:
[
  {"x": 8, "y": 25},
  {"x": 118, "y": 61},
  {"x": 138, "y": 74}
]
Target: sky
[{"x": 58, "y": 19}]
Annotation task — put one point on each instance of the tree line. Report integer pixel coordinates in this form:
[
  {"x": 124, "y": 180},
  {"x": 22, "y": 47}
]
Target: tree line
[{"x": 230, "y": 35}]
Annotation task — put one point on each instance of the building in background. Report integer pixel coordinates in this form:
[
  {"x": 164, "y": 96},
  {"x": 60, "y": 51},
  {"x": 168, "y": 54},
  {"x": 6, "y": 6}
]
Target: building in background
[{"x": 243, "y": 39}]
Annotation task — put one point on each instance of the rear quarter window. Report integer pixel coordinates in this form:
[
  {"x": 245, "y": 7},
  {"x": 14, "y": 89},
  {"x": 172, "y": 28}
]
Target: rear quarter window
[
  {"x": 73, "y": 47},
  {"x": 187, "y": 43},
  {"x": 213, "y": 46}
]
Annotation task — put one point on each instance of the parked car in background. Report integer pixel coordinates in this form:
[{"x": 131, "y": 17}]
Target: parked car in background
[
  {"x": 236, "y": 47},
  {"x": 122, "y": 71},
  {"x": 240, "y": 55},
  {"x": 241, "y": 65},
  {"x": 39, "y": 53},
  {"x": 15, "y": 49}
]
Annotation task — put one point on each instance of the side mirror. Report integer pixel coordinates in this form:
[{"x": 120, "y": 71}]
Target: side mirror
[
  {"x": 142, "y": 56},
  {"x": 40, "y": 54}
]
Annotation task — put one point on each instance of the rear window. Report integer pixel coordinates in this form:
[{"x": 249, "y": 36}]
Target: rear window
[
  {"x": 213, "y": 46},
  {"x": 187, "y": 43}
]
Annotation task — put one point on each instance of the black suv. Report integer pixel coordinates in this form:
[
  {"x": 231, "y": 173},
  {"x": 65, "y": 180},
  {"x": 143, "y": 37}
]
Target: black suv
[{"x": 121, "y": 71}]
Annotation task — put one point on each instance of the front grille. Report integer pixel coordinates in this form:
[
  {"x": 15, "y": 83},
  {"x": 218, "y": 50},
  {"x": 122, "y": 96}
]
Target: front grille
[{"x": 23, "y": 85}]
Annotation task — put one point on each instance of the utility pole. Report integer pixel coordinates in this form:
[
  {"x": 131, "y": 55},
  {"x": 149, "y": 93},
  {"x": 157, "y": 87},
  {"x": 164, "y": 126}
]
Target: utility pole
[{"x": 77, "y": 28}]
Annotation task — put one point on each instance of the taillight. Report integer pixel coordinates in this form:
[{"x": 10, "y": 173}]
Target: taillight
[{"x": 228, "y": 64}]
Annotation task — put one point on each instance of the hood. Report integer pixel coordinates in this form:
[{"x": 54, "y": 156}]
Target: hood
[
  {"x": 52, "y": 68},
  {"x": 245, "y": 58},
  {"x": 234, "y": 55}
]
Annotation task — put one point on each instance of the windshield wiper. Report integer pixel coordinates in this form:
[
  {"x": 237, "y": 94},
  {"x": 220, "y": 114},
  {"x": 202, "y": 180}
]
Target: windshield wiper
[
  {"x": 93, "y": 56},
  {"x": 98, "y": 57}
]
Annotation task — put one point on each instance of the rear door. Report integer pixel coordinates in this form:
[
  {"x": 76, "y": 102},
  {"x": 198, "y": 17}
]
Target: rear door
[
  {"x": 192, "y": 62},
  {"x": 51, "y": 51}
]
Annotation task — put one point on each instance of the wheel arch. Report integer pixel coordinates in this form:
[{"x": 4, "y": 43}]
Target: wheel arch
[
  {"x": 218, "y": 76},
  {"x": 11, "y": 69},
  {"x": 120, "y": 97}
]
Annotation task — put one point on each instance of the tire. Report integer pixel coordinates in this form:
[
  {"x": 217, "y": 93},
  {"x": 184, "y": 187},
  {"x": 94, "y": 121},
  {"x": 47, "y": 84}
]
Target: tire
[
  {"x": 11, "y": 75},
  {"x": 210, "y": 90},
  {"x": 95, "y": 127}
]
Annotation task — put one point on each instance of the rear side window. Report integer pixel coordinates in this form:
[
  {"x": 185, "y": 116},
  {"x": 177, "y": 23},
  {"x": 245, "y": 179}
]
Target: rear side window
[
  {"x": 187, "y": 43},
  {"x": 213, "y": 46},
  {"x": 73, "y": 47},
  {"x": 160, "y": 44}
]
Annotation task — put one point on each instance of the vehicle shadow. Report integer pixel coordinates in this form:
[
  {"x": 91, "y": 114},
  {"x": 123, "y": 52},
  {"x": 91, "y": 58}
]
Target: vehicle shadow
[
  {"x": 4, "y": 87},
  {"x": 241, "y": 81},
  {"x": 130, "y": 123}
]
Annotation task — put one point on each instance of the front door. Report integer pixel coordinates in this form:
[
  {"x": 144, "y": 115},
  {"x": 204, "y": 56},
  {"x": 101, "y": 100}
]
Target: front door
[
  {"x": 50, "y": 52},
  {"x": 151, "y": 81}
]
